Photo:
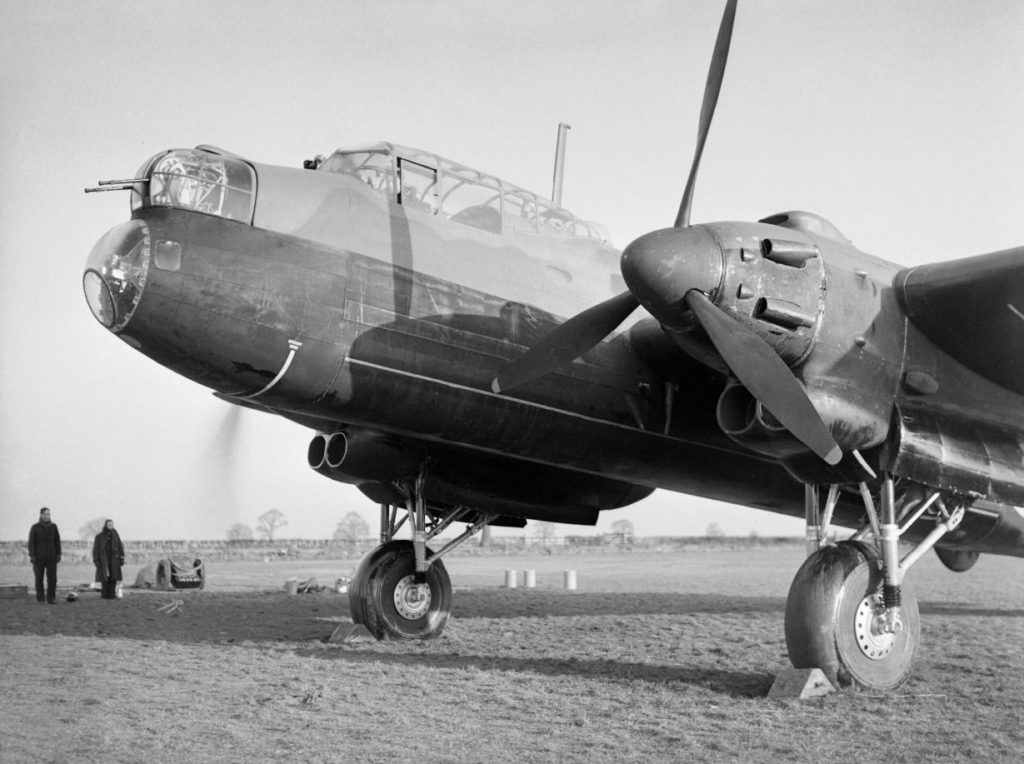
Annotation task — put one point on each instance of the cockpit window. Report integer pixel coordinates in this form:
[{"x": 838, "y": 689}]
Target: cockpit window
[
  {"x": 557, "y": 218},
  {"x": 520, "y": 211},
  {"x": 471, "y": 204},
  {"x": 374, "y": 168},
  {"x": 418, "y": 189},
  {"x": 454, "y": 192}
]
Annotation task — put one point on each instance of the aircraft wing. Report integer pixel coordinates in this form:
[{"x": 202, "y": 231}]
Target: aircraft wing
[{"x": 973, "y": 309}]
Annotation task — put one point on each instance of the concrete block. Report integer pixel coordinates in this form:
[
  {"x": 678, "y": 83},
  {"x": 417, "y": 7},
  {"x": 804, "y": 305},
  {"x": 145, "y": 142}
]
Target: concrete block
[
  {"x": 800, "y": 683},
  {"x": 347, "y": 633}
]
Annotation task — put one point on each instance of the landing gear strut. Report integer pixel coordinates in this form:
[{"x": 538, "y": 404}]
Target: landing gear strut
[
  {"x": 401, "y": 589},
  {"x": 849, "y": 611}
]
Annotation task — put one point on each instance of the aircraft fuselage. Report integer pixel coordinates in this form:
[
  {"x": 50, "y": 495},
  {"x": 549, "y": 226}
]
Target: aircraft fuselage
[{"x": 339, "y": 304}]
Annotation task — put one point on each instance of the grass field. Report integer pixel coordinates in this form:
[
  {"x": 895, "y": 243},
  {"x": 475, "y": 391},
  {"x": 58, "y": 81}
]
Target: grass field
[{"x": 663, "y": 657}]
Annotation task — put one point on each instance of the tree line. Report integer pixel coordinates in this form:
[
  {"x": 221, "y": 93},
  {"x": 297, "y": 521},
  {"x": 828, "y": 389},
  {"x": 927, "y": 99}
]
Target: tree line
[{"x": 352, "y": 527}]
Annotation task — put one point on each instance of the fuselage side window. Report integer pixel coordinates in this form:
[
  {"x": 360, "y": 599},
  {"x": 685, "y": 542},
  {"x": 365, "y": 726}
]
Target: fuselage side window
[{"x": 417, "y": 186}]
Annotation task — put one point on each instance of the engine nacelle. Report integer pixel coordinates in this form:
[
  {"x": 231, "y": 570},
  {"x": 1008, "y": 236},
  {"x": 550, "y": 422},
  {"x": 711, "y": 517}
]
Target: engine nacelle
[
  {"x": 742, "y": 417},
  {"x": 359, "y": 456},
  {"x": 957, "y": 560}
]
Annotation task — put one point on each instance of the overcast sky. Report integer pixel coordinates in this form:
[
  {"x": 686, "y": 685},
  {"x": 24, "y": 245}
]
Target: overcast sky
[{"x": 900, "y": 122}]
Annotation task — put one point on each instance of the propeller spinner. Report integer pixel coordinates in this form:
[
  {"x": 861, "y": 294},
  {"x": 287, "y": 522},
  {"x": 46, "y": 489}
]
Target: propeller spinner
[{"x": 676, "y": 270}]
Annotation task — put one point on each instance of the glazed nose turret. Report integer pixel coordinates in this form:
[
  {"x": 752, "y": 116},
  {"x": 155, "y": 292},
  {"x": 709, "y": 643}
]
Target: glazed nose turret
[{"x": 115, "y": 273}]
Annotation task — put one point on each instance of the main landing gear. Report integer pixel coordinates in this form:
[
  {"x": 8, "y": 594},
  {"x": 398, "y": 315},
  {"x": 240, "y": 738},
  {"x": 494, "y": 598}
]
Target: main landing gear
[
  {"x": 401, "y": 590},
  {"x": 849, "y": 611}
]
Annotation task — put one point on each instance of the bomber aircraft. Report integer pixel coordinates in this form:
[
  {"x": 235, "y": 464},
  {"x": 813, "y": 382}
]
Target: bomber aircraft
[{"x": 412, "y": 313}]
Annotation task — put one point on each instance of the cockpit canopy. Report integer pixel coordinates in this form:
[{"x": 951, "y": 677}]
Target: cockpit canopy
[{"x": 437, "y": 186}]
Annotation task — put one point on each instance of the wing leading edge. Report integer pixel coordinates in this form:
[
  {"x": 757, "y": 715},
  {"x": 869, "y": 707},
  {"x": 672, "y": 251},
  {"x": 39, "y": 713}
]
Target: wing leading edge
[{"x": 973, "y": 309}]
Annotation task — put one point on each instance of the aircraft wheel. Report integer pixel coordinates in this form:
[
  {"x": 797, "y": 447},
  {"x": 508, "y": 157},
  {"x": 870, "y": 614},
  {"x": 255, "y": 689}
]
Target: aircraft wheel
[
  {"x": 387, "y": 600},
  {"x": 833, "y": 619},
  {"x": 357, "y": 587}
]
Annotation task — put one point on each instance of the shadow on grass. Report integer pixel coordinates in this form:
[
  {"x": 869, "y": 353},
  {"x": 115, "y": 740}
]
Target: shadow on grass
[
  {"x": 300, "y": 624},
  {"x": 524, "y": 603},
  {"x": 736, "y": 684},
  {"x": 966, "y": 609},
  {"x": 277, "y": 617}
]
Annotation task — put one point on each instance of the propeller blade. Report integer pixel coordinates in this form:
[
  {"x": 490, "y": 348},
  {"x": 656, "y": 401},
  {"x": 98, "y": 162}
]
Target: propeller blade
[
  {"x": 566, "y": 342},
  {"x": 758, "y": 367},
  {"x": 707, "y": 109}
]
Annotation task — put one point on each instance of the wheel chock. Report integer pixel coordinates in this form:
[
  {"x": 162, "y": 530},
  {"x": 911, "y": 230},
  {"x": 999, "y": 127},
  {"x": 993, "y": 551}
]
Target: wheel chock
[
  {"x": 800, "y": 683},
  {"x": 348, "y": 633}
]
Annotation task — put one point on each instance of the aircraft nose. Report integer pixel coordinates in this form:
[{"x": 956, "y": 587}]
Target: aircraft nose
[
  {"x": 115, "y": 273},
  {"x": 662, "y": 266}
]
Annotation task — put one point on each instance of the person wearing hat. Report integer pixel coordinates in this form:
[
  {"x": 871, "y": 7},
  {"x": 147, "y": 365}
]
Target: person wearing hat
[
  {"x": 44, "y": 554},
  {"x": 108, "y": 557}
]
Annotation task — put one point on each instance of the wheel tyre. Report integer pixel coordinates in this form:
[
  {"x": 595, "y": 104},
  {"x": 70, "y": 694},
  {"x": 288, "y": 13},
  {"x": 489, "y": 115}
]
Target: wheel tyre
[
  {"x": 357, "y": 588},
  {"x": 390, "y": 572},
  {"x": 163, "y": 575},
  {"x": 825, "y": 620}
]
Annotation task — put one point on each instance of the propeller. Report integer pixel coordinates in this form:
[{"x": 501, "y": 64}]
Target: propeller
[
  {"x": 568, "y": 342},
  {"x": 682, "y": 265},
  {"x": 759, "y": 369},
  {"x": 707, "y": 109},
  {"x": 583, "y": 331}
]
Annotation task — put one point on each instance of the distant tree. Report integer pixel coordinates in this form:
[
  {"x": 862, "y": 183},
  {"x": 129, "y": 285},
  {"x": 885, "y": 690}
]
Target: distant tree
[
  {"x": 269, "y": 522},
  {"x": 714, "y": 531},
  {"x": 88, "y": 531},
  {"x": 754, "y": 534},
  {"x": 352, "y": 528},
  {"x": 545, "y": 530},
  {"x": 623, "y": 528},
  {"x": 240, "y": 532}
]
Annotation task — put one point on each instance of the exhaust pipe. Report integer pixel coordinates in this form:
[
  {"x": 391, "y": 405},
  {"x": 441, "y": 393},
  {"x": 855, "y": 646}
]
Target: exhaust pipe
[
  {"x": 316, "y": 454},
  {"x": 746, "y": 421},
  {"x": 358, "y": 456}
]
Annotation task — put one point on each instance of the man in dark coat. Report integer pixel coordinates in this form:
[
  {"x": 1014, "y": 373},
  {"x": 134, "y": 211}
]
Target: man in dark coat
[
  {"x": 108, "y": 557},
  {"x": 44, "y": 554}
]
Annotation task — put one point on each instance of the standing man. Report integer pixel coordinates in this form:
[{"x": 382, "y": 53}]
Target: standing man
[
  {"x": 44, "y": 553},
  {"x": 108, "y": 557}
]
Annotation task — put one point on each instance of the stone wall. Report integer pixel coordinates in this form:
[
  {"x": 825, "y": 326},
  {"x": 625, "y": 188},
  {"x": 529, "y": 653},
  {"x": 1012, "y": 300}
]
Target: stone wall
[{"x": 141, "y": 552}]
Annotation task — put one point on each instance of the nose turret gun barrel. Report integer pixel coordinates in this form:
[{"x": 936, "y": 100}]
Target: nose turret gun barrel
[{"x": 116, "y": 185}]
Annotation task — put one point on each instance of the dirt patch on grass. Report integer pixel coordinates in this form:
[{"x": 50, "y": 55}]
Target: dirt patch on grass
[{"x": 655, "y": 658}]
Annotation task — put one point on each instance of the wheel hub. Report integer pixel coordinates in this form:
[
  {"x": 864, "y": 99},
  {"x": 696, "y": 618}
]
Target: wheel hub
[
  {"x": 869, "y": 626},
  {"x": 412, "y": 600}
]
